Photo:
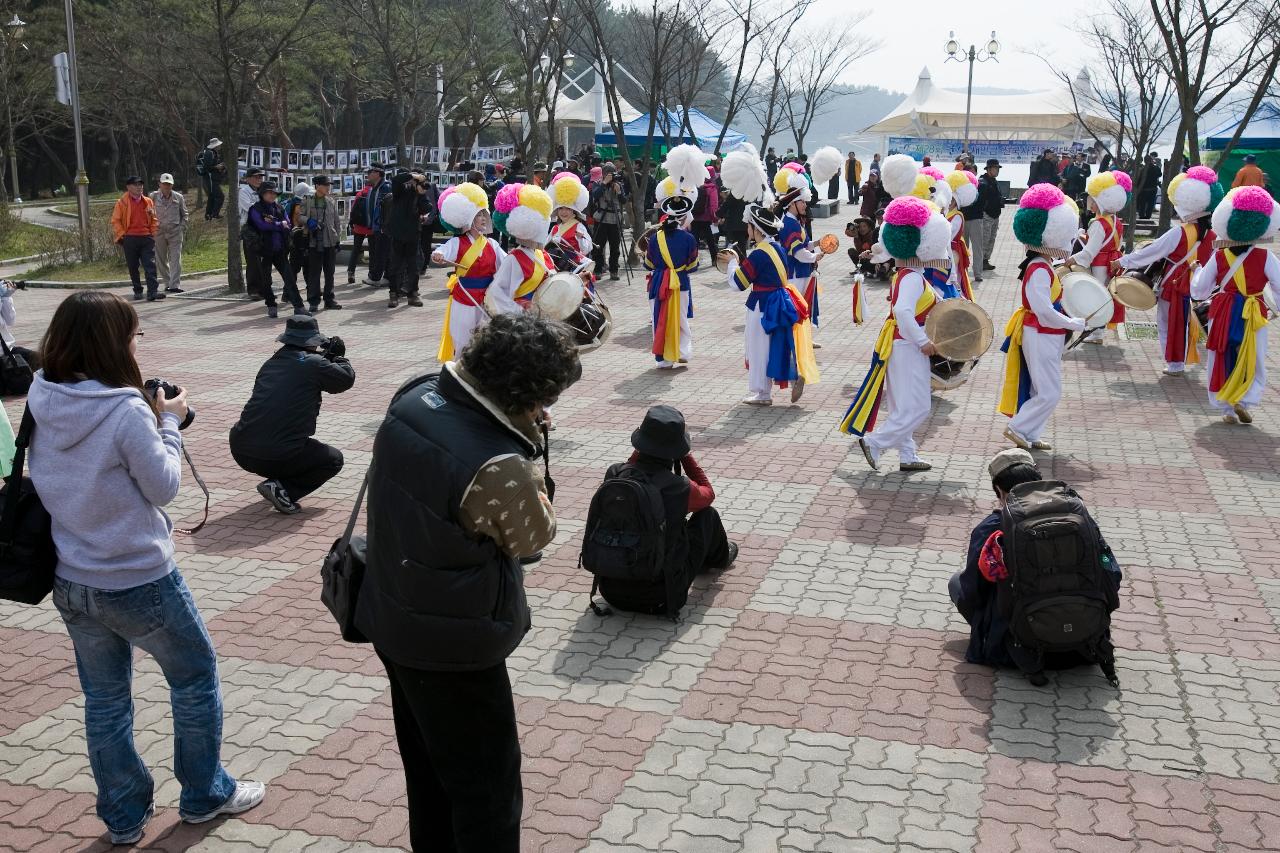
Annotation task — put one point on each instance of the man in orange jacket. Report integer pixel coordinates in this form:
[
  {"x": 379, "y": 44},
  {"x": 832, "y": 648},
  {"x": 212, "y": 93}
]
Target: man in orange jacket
[
  {"x": 133, "y": 224},
  {"x": 1249, "y": 175}
]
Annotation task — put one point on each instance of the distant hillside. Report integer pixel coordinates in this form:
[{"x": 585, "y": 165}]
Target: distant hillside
[{"x": 846, "y": 114}]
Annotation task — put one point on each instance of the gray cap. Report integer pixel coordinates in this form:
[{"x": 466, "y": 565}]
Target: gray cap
[{"x": 1006, "y": 459}]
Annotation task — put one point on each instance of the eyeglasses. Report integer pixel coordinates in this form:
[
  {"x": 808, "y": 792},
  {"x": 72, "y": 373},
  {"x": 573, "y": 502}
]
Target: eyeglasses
[{"x": 138, "y": 334}]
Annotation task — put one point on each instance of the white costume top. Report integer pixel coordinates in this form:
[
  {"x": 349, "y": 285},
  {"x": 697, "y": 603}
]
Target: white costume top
[
  {"x": 910, "y": 289},
  {"x": 449, "y": 251},
  {"x": 1038, "y": 294},
  {"x": 509, "y": 278},
  {"x": 1206, "y": 278},
  {"x": 1095, "y": 242}
]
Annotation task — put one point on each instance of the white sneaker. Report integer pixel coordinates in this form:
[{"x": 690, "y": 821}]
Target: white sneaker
[{"x": 246, "y": 796}]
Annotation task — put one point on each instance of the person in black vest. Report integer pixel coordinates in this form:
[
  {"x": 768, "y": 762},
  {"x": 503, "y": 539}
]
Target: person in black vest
[
  {"x": 273, "y": 437},
  {"x": 402, "y": 228},
  {"x": 455, "y": 500},
  {"x": 699, "y": 543},
  {"x": 974, "y": 590}
]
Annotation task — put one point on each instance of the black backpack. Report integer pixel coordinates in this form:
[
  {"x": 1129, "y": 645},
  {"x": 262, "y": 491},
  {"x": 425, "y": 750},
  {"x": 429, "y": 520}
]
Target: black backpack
[
  {"x": 626, "y": 532},
  {"x": 1059, "y": 595}
]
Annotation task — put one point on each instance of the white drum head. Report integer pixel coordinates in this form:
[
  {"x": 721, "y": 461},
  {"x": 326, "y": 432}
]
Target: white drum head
[
  {"x": 558, "y": 296},
  {"x": 1084, "y": 297}
]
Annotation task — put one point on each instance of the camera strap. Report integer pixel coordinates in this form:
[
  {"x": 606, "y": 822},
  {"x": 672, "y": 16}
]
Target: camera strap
[{"x": 200, "y": 482}]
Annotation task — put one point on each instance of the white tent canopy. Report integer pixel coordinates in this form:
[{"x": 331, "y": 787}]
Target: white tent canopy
[
  {"x": 933, "y": 112},
  {"x": 581, "y": 112}
]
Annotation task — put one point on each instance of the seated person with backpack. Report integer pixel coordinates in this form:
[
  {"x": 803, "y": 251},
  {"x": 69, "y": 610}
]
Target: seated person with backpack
[
  {"x": 650, "y": 529},
  {"x": 1040, "y": 582}
]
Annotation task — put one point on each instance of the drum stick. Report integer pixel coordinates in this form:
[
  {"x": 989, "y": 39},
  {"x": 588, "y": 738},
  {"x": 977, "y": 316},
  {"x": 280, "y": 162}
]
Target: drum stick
[{"x": 955, "y": 338}]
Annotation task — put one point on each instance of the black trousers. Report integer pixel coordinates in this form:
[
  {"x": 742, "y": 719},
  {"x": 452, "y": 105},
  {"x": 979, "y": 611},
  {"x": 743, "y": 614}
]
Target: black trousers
[
  {"x": 379, "y": 256},
  {"x": 288, "y": 279},
  {"x": 213, "y": 196},
  {"x": 428, "y": 244},
  {"x": 708, "y": 542},
  {"x": 736, "y": 239},
  {"x": 357, "y": 250},
  {"x": 702, "y": 230},
  {"x": 320, "y": 261},
  {"x": 1146, "y": 203},
  {"x": 402, "y": 271},
  {"x": 141, "y": 252},
  {"x": 853, "y": 191},
  {"x": 461, "y": 754},
  {"x": 252, "y": 269},
  {"x": 300, "y": 472},
  {"x": 607, "y": 233}
]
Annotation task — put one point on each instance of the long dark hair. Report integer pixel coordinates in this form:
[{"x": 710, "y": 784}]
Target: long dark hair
[{"x": 88, "y": 338}]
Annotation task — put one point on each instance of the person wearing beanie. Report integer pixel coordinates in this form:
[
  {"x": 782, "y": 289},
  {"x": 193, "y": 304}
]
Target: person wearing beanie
[
  {"x": 1046, "y": 223},
  {"x": 1108, "y": 193},
  {"x": 475, "y": 259},
  {"x": 1235, "y": 278},
  {"x": 271, "y": 223},
  {"x": 914, "y": 234},
  {"x": 1181, "y": 249},
  {"x": 523, "y": 213}
]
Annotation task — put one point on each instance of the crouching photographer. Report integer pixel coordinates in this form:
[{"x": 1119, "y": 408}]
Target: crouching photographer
[{"x": 273, "y": 437}]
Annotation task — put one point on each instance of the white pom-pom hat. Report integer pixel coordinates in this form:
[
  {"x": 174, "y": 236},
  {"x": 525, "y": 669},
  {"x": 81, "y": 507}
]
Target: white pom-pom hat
[{"x": 567, "y": 190}]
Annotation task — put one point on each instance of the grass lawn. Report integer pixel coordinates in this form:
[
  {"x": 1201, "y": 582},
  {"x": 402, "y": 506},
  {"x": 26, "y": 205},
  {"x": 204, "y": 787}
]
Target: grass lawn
[
  {"x": 18, "y": 240},
  {"x": 204, "y": 249}
]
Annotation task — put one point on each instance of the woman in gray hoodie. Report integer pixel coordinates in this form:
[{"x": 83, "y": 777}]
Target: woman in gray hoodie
[{"x": 105, "y": 456}]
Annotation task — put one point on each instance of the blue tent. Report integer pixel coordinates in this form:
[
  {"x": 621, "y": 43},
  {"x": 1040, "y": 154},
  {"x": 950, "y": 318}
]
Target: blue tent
[
  {"x": 1262, "y": 133},
  {"x": 670, "y": 125}
]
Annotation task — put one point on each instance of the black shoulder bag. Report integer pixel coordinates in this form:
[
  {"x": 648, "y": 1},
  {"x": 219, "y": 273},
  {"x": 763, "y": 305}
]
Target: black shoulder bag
[
  {"x": 27, "y": 553},
  {"x": 343, "y": 572},
  {"x": 15, "y": 372}
]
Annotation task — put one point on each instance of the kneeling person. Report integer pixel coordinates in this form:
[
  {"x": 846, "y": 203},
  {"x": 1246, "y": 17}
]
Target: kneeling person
[
  {"x": 691, "y": 539},
  {"x": 1001, "y": 633},
  {"x": 273, "y": 437}
]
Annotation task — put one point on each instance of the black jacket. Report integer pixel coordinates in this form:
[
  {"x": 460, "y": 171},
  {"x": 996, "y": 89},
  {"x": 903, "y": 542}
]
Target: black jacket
[
  {"x": 402, "y": 223},
  {"x": 989, "y": 196},
  {"x": 436, "y": 596},
  {"x": 732, "y": 209},
  {"x": 281, "y": 414}
]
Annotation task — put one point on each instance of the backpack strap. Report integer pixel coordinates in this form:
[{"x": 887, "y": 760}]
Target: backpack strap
[
  {"x": 355, "y": 511},
  {"x": 13, "y": 485}
]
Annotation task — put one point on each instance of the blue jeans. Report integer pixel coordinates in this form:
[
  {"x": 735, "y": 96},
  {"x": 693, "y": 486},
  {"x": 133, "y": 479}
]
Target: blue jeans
[{"x": 161, "y": 619}]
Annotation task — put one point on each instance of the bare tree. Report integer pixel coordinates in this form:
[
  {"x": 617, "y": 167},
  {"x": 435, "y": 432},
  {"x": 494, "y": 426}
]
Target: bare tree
[
  {"x": 818, "y": 59},
  {"x": 1262, "y": 82},
  {"x": 746, "y": 55},
  {"x": 527, "y": 87},
  {"x": 1213, "y": 48},
  {"x": 764, "y": 100}
]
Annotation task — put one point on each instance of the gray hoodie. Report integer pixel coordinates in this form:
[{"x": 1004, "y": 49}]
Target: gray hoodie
[{"x": 103, "y": 470}]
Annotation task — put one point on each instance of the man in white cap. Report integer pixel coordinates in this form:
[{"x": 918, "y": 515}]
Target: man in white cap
[
  {"x": 171, "y": 223},
  {"x": 212, "y": 172}
]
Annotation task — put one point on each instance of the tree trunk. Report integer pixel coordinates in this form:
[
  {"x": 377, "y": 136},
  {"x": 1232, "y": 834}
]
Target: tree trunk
[
  {"x": 231, "y": 144},
  {"x": 1175, "y": 161},
  {"x": 113, "y": 162}
]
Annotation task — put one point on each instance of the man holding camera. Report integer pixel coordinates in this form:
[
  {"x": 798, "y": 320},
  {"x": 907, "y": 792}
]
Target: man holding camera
[
  {"x": 273, "y": 437},
  {"x": 403, "y": 231},
  {"x": 606, "y": 210},
  {"x": 317, "y": 215}
]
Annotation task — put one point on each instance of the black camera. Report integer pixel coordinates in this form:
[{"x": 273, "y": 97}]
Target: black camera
[
  {"x": 155, "y": 387},
  {"x": 16, "y": 285},
  {"x": 333, "y": 348}
]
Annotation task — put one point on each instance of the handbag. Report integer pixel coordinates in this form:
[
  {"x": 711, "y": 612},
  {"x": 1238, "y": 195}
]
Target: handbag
[
  {"x": 343, "y": 572},
  {"x": 15, "y": 372},
  {"x": 28, "y": 556}
]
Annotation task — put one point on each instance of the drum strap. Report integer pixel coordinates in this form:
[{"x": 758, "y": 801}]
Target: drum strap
[{"x": 534, "y": 273}]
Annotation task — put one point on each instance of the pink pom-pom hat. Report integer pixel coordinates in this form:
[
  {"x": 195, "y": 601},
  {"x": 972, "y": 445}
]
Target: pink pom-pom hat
[
  {"x": 448, "y": 192},
  {"x": 933, "y": 172},
  {"x": 1202, "y": 173},
  {"x": 507, "y": 199},
  {"x": 1042, "y": 197},
  {"x": 794, "y": 166},
  {"x": 1255, "y": 199},
  {"x": 908, "y": 210},
  {"x": 1123, "y": 179}
]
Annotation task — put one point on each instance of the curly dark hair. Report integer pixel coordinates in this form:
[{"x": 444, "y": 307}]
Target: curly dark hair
[{"x": 522, "y": 360}]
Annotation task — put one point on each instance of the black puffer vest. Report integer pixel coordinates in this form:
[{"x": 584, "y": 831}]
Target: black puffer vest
[{"x": 435, "y": 596}]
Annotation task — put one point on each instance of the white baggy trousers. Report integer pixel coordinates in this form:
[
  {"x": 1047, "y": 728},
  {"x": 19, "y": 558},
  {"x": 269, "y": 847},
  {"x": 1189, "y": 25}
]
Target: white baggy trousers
[{"x": 906, "y": 395}]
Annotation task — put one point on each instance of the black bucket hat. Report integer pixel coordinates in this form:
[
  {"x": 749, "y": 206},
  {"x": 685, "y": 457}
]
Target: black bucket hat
[
  {"x": 301, "y": 331},
  {"x": 662, "y": 434}
]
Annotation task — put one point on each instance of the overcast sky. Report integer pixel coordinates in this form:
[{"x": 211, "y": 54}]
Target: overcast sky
[{"x": 914, "y": 33}]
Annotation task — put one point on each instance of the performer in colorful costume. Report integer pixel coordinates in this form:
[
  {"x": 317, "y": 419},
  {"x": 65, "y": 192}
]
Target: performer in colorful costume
[
  {"x": 522, "y": 211},
  {"x": 671, "y": 253},
  {"x": 1046, "y": 223},
  {"x": 914, "y": 233},
  {"x": 1235, "y": 277},
  {"x": 1108, "y": 194},
  {"x": 476, "y": 258},
  {"x": 1183, "y": 248},
  {"x": 570, "y": 198},
  {"x": 902, "y": 176},
  {"x": 802, "y": 253},
  {"x": 964, "y": 192}
]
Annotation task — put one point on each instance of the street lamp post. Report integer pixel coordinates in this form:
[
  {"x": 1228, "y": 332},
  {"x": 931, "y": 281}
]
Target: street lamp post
[
  {"x": 972, "y": 55},
  {"x": 13, "y": 35},
  {"x": 82, "y": 177}
]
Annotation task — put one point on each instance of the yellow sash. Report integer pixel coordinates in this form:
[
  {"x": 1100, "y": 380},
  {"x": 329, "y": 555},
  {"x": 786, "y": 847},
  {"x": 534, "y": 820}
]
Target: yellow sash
[
  {"x": 1013, "y": 350},
  {"x": 671, "y": 340},
  {"x": 1236, "y": 385},
  {"x": 868, "y": 397},
  {"x": 445, "y": 351},
  {"x": 534, "y": 281},
  {"x": 1193, "y": 322}
]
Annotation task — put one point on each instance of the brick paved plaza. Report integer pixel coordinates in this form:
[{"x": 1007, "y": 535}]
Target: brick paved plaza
[{"x": 812, "y": 698}]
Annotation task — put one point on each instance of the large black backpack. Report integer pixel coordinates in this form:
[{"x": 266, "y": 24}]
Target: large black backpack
[
  {"x": 625, "y": 540},
  {"x": 1059, "y": 595}
]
